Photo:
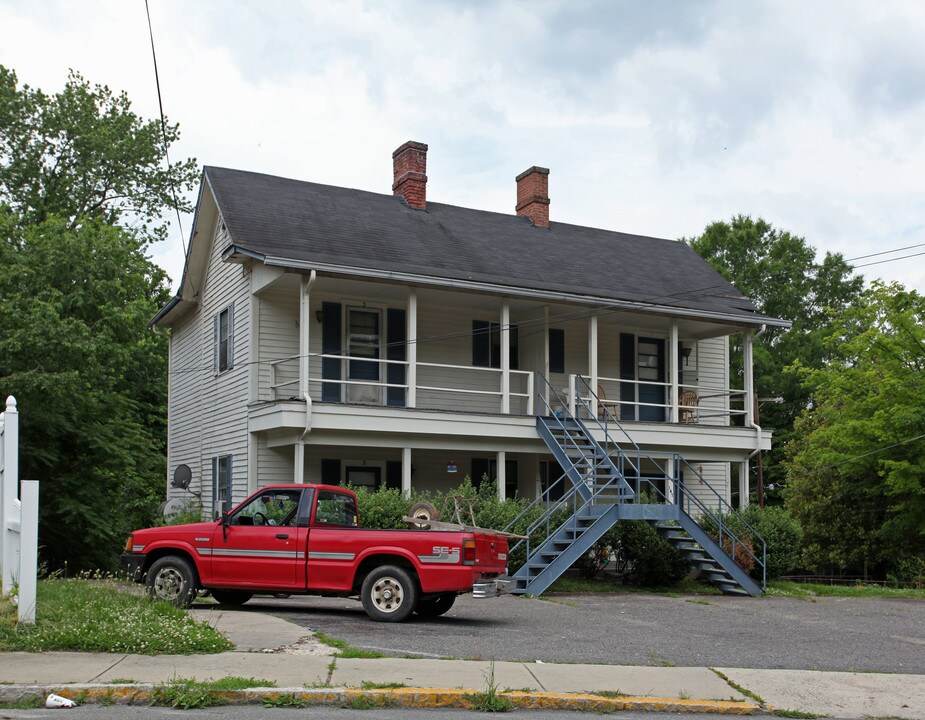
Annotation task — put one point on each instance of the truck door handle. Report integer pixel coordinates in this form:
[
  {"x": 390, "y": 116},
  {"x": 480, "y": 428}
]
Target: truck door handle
[{"x": 282, "y": 536}]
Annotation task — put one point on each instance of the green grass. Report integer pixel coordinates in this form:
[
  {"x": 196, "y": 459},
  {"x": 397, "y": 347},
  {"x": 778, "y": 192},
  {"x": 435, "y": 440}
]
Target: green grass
[
  {"x": 796, "y": 714},
  {"x": 808, "y": 590},
  {"x": 286, "y": 700},
  {"x": 84, "y": 616},
  {"x": 369, "y": 685},
  {"x": 188, "y": 694},
  {"x": 743, "y": 690},
  {"x": 346, "y": 651},
  {"x": 26, "y": 703},
  {"x": 613, "y": 694}
]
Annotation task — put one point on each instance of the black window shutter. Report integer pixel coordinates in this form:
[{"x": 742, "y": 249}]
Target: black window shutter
[
  {"x": 393, "y": 474},
  {"x": 481, "y": 343},
  {"x": 396, "y": 349},
  {"x": 330, "y": 471},
  {"x": 515, "y": 348},
  {"x": 556, "y": 350},
  {"x": 627, "y": 372},
  {"x": 480, "y": 470},
  {"x": 331, "y": 334}
]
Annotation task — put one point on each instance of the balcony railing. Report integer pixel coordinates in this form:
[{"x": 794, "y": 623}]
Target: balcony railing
[{"x": 439, "y": 386}]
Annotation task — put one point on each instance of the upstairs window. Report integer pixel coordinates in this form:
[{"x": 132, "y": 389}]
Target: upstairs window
[
  {"x": 486, "y": 344},
  {"x": 224, "y": 339}
]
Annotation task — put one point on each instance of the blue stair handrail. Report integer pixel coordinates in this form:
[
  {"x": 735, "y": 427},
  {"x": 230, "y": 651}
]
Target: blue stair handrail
[{"x": 682, "y": 496}]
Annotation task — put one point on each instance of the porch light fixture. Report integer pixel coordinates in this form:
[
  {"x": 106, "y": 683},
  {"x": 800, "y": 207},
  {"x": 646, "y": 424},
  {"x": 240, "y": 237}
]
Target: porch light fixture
[
  {"x": 686, "y": 354},
  {"x": 319, "y": 315}
]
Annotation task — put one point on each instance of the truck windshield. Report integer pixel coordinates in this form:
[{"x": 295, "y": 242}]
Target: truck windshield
[{"x": 335, "y": 508}]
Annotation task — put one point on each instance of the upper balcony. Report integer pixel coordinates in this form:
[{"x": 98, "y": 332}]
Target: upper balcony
[{"x": 377, "y": 345}]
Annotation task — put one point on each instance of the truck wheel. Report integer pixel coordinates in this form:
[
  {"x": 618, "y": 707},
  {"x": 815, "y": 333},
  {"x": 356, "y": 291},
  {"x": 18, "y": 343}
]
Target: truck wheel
[
  {"x": 231, "y": 597},
  {"x": 389, "y": 594},
  {"x": 172, "y": 579},
  {"x": 435, "y": 605}
]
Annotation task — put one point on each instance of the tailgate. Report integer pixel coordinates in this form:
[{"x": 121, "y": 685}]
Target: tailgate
[{"x": 490, "y": 553}]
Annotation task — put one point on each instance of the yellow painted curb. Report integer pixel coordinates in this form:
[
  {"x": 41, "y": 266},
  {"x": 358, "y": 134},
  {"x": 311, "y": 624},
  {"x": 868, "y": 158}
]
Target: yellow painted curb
[{"x": 433, "y": 698}]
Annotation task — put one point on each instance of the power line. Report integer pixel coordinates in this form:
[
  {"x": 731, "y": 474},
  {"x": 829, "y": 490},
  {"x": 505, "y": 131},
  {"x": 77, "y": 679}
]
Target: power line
[
  {"x": 880, "y": 262},
  {"x": 879, "y": 450},
  {"x": 884, "y": 252},
  {"x": 160, "y": 104}
]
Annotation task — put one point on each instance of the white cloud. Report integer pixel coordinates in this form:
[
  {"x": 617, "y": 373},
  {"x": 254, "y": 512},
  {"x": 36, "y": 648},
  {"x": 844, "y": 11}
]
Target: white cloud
[{"x": 654, "y": 118}]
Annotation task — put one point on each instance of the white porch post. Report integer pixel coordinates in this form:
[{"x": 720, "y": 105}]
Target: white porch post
[
  {"x": 748, "y": 359},
  {"x": 592, "y": 362},
  {"x": 673, "y": 364},
  {"x": 406, "y": 472},
  {"x": 671, "y": 472},
  {"x": 501, "y": 474},
  {"x": 505, "y": 357},
  {"x": 304, "y": 332},
  {"x": 298, "y": 475},
  {"x": 546, "y": 357},
  {"x": 743, "y": 485},
  {"x": 411, "y": 375}
]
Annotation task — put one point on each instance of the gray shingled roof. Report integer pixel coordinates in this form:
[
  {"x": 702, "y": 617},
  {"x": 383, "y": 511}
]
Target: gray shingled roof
[{"x": 311, "y": 223}]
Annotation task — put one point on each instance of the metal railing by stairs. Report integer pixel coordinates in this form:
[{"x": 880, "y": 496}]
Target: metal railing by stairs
[{"x": 596, "y": 494}]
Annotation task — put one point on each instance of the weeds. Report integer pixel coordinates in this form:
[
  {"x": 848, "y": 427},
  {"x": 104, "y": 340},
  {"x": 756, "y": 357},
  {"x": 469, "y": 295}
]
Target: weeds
[
  {"x": 284, "y": 700},
  {"x": 491, "y": 700},
  {"x": 346, "y": 651},
  {"x": 189, "y": 694},
  {"x": 796, "y": 714},
  {"x": 25, "y": 703},
  {"x": 735, "y": 686},
  {"x": 368, "y": 685}
]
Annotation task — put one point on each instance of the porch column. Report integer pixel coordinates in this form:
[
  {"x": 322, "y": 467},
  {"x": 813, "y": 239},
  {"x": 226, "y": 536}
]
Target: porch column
[
  {"x": 406, "y": 472},
  {"x": 673, "y": 364},
  {"x": 505, "y": 357},
  {"x": 304, "y": 328},
  {"x": 298, "y": 476},
  {"x": 671, "y": 470},
  {"x": 411, "y": 375},
  {"x": 592, "y": 363},
  {"x": 743, "y": 485},
  {"x": 546, "y": 358},
  {"x": 748, "y": 359},
  {"x": 502, "y": 474}
]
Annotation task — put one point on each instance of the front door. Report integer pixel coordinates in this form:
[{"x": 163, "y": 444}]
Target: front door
[
  {"x": 263, "y": 544},
  {"x": 364, "y": 341}
]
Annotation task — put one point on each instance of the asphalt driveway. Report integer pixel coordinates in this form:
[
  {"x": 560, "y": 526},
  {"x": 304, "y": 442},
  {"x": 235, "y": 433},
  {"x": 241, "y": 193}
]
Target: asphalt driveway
[{"x": 850, "y": 634}]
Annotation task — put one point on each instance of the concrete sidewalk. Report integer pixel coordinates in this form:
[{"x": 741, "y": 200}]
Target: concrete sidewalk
[{"x": 272, "y": 649}]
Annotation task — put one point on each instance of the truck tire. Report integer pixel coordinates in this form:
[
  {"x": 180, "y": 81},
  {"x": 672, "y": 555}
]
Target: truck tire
[
  {"x": 172, "y": 579},
  {"x": 389, "y": 594},
  {"x": 231, "y": 597},
  {"x": 435, "y": 605}
]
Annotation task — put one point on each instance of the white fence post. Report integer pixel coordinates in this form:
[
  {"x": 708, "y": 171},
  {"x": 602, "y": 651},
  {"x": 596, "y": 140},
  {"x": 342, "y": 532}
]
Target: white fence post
[
  {"x": 29, "y": 551},
  {"x": 10, "y": 509}
]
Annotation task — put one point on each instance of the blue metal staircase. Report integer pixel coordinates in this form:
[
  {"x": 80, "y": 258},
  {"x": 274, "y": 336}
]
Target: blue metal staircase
[{"x": 595, "y": 495}]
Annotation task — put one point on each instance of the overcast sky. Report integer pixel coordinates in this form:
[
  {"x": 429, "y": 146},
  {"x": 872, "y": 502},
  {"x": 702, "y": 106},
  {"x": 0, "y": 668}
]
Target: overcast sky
[{"x": 654, "y": 118}]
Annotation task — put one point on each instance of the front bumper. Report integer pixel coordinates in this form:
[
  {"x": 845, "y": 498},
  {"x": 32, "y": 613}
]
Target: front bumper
[
  {"x": 493, "y": 587},
  {"x": 132, "y": 564}
]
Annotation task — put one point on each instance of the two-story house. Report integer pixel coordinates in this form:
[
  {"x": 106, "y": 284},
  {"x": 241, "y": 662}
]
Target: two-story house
[{"x": 327, "y": 334}]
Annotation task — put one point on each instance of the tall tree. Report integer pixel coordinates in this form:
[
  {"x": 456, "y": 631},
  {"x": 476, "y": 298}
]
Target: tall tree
[
  {"x": 856, "y": 468},
  {"x": 780, "y": 273},
  {"x": 83, "y": 184}
]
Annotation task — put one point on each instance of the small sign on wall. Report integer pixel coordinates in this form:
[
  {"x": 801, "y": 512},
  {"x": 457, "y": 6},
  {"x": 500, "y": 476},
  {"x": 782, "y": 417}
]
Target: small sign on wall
[{"x": 451, "y": 466}]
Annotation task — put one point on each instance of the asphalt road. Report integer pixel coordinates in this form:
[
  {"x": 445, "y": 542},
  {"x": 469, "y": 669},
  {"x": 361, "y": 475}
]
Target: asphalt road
[{"x": 849, "y": 634}]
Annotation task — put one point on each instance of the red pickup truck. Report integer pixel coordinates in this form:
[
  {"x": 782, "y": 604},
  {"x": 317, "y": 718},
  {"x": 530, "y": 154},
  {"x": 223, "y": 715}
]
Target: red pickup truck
[{"x": 306, "y": 539}]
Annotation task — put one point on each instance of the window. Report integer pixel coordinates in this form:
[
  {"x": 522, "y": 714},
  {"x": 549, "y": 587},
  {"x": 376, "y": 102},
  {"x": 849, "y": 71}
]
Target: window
[
  {"x": 486, "y": 344},
  {"x": 224, "y": 340},
  {"x": 556, "y": 350},
  {"x": 221, "y": 484},
  {"x": 487, "y": 469},
  {"x": 335, "y": 508},
  {"x": 275, "y": 508}
]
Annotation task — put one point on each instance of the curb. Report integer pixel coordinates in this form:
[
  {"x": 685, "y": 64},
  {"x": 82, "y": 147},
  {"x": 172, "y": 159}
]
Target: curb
[{"x": 432, "y": 698}]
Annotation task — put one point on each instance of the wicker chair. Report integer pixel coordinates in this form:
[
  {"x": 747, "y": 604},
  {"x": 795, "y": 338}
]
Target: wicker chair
[{"x": 688, "y": 410}]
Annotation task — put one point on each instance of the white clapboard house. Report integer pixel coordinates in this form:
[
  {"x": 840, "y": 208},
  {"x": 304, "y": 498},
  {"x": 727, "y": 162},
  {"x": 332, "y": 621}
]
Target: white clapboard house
[{"x": 325, "y": 334}]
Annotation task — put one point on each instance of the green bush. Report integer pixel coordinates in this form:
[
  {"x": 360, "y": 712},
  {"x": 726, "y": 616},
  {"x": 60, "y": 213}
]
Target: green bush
[
  {"x": 655, "y": 563},
  {"x": 383, "y": 509},
  {"x": 776, "y": 526}
]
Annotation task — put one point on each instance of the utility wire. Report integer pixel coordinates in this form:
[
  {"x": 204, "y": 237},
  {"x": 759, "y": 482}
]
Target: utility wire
[
  {"x": 879, "y": 450},
  {"x": 880, "y": 262},
  {"x": 160, "y": 104},
  {"x": 884, "y": 252}
]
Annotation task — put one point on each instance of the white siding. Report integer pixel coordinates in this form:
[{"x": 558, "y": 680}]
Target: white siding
[
  {"x": 716, "y": 478},
  {"x": 279, "y": 339},
  {"x": 207, "y": 412},
  {"x": 276, "y": 464},
  {"x": 713, "y": 379}
]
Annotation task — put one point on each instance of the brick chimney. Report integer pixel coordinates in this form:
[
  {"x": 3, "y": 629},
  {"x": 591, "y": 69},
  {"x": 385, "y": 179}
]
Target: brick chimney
[
  {"x": 409, "y": 168},
  {"x": 533, "y": 195}
]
